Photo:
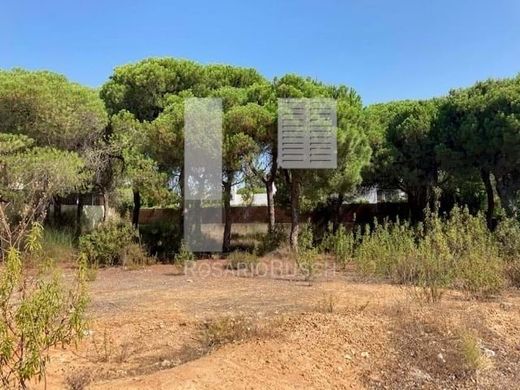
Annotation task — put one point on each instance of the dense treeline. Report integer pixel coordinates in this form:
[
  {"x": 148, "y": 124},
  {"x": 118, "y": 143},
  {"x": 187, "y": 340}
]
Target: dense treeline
[{"x": 125, "y": 142}]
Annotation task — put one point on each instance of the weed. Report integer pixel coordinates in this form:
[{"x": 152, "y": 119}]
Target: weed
[
  {"x": 78, "y": 380},
  {"x": 327, "y": 304},
  {"x": 470, "y": 350},
  {"x": 227, "y": 330},
  {"x": 306, "y": 261},
  {"x": 243, "y": 260}
]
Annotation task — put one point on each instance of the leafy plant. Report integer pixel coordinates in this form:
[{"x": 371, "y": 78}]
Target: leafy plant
[
  {"x": 456, "y": 251},
  {"x": 272, "y": 240},
  {"x": 306, "y": 261},
  {"x": 36, "y": 313},
  {"x": 305, "y": 237},
  {"x": 340, "y": 243},
  {"x": 106, "y": 244},
  {"x": 243, "y": 260},
  {"x": 184, "y": 257}
]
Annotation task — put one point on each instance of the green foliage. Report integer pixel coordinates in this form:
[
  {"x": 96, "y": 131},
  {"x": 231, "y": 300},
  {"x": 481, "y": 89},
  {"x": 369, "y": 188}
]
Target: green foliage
[
  {"x": 59, "y": 244},
  {"x": 37, "y": 312},
  {"x": 227, "y": 330},
  {"x": 457, "y": 251},
  {"x": 106, "y": 245},
  {"x": 272, "y": 240},
  {"x": 184, "y": 257},
  {"x": 243, "y": 260},
  {"x": 508, "y": 237},
  {"x": 50, "y": 109},
  {"x": 340, "y": 243},
  {"x": 478, "y": 131},
  {"x": 162, "y": 239},
  {"x": 307, "y": 263},
  {"x": 31, "y": 176},
  {"x": 134, "y": 256},
  {"x": 306, "y": 237},
  {"x": 471, "y": 351},
  {"x": 404, "y": 150},
  {"x": 389, "y": 249}
]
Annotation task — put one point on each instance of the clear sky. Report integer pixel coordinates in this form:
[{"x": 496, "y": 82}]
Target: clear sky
[{"x": 386, "y": 50}]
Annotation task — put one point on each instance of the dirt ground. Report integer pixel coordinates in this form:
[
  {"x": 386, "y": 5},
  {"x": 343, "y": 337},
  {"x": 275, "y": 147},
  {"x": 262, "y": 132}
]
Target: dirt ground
[{"x": 150, "y": 328}]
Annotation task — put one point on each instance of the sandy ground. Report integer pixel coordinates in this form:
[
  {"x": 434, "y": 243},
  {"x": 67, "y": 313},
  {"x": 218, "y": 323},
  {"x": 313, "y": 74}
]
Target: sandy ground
[{"x": 149, "y": 328}]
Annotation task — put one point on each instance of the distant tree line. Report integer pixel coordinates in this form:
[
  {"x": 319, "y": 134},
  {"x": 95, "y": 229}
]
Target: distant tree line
[{"x": 126, "y": 140}]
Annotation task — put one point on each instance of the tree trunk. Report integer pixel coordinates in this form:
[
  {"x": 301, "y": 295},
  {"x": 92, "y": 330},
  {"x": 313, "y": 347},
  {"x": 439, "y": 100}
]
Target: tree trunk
[
  {"x": 269, "y": 186},
  {"x": 418, "y": 200},
  {"x": 484, "y": 174},
  {"x": 105, "y": 205},
  {"x": 336, "y": 219},
  {"x": 226, "y": 242},
  {"x": 295, "y": 211},
  {"x": 507, "y": 189},
  {"x": 137, "y": 208},
  {"x": 79, "y": 212}
]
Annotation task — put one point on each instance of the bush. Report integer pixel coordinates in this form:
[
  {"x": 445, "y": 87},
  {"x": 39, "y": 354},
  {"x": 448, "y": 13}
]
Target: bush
[
  {"x": 184, "y": 257},
  {"x": 340, "y": 243},
  {"x": 134, "y": 256},
  {"x": 59, "y": 244},
  {"x": 272, "y": 240},
  {"x": 242, "y": 260},
  {"x": 457, "y": 251},
  {"x": 228, "y": 330},
  {"x": 36, "y": 313},
  {"x": 305, "y": 237},
  {"x": 508, "y": 239},
  {"x": 162, "y": 239},
  {"x": 306, "y": 261},
  {"x": 389, "y": 250},
  {"x": 106, "y": 245}
]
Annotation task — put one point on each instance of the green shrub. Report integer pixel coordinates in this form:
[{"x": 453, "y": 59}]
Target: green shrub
[
  {"x": 243, "y": 260},
  {"x": 327, "y": 241},
  {"x": 305, "y": 237},
  {"x": 306, "y": 261},
  {"x": 106, "y": 245},
  {"x": 478, "y": 268},
  {"x": 37, "y": 313},
  {"x": 184, "y": 257},
  {"x": 162, "y": 239},
  {"x": 389, "y": 250},
  {"x": 457, "y": 251},
  {"x": 272, "y": 240},
  {"x": 508, "y": 239},
  {"x": 134, "y": 256},
  {"x": 58, "y": 244},
  {"x": 340, "y": 243}
]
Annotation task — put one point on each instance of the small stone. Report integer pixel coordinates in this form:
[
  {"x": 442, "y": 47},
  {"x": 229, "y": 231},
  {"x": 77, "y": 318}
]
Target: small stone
[
  {"x": 189, "y": 281},
  {"x": 165, "y": 363},
  {"x": 488, "y": 352},
  {"x": 348, "y": 357},
  {"x": 364, "y": 354},
  {"x": 440, "y": 356}
]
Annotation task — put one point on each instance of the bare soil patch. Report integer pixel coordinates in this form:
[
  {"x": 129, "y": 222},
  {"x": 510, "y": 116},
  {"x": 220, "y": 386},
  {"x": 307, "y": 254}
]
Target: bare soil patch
[{"x": 150, "y": 328}]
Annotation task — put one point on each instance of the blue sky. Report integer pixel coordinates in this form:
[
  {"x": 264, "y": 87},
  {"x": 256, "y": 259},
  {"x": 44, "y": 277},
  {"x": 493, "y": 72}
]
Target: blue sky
[{"x": 386, "y": 50}]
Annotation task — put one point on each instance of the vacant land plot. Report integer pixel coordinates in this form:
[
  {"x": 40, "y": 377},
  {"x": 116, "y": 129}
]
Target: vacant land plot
[{"x": 157, "y": 328}]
